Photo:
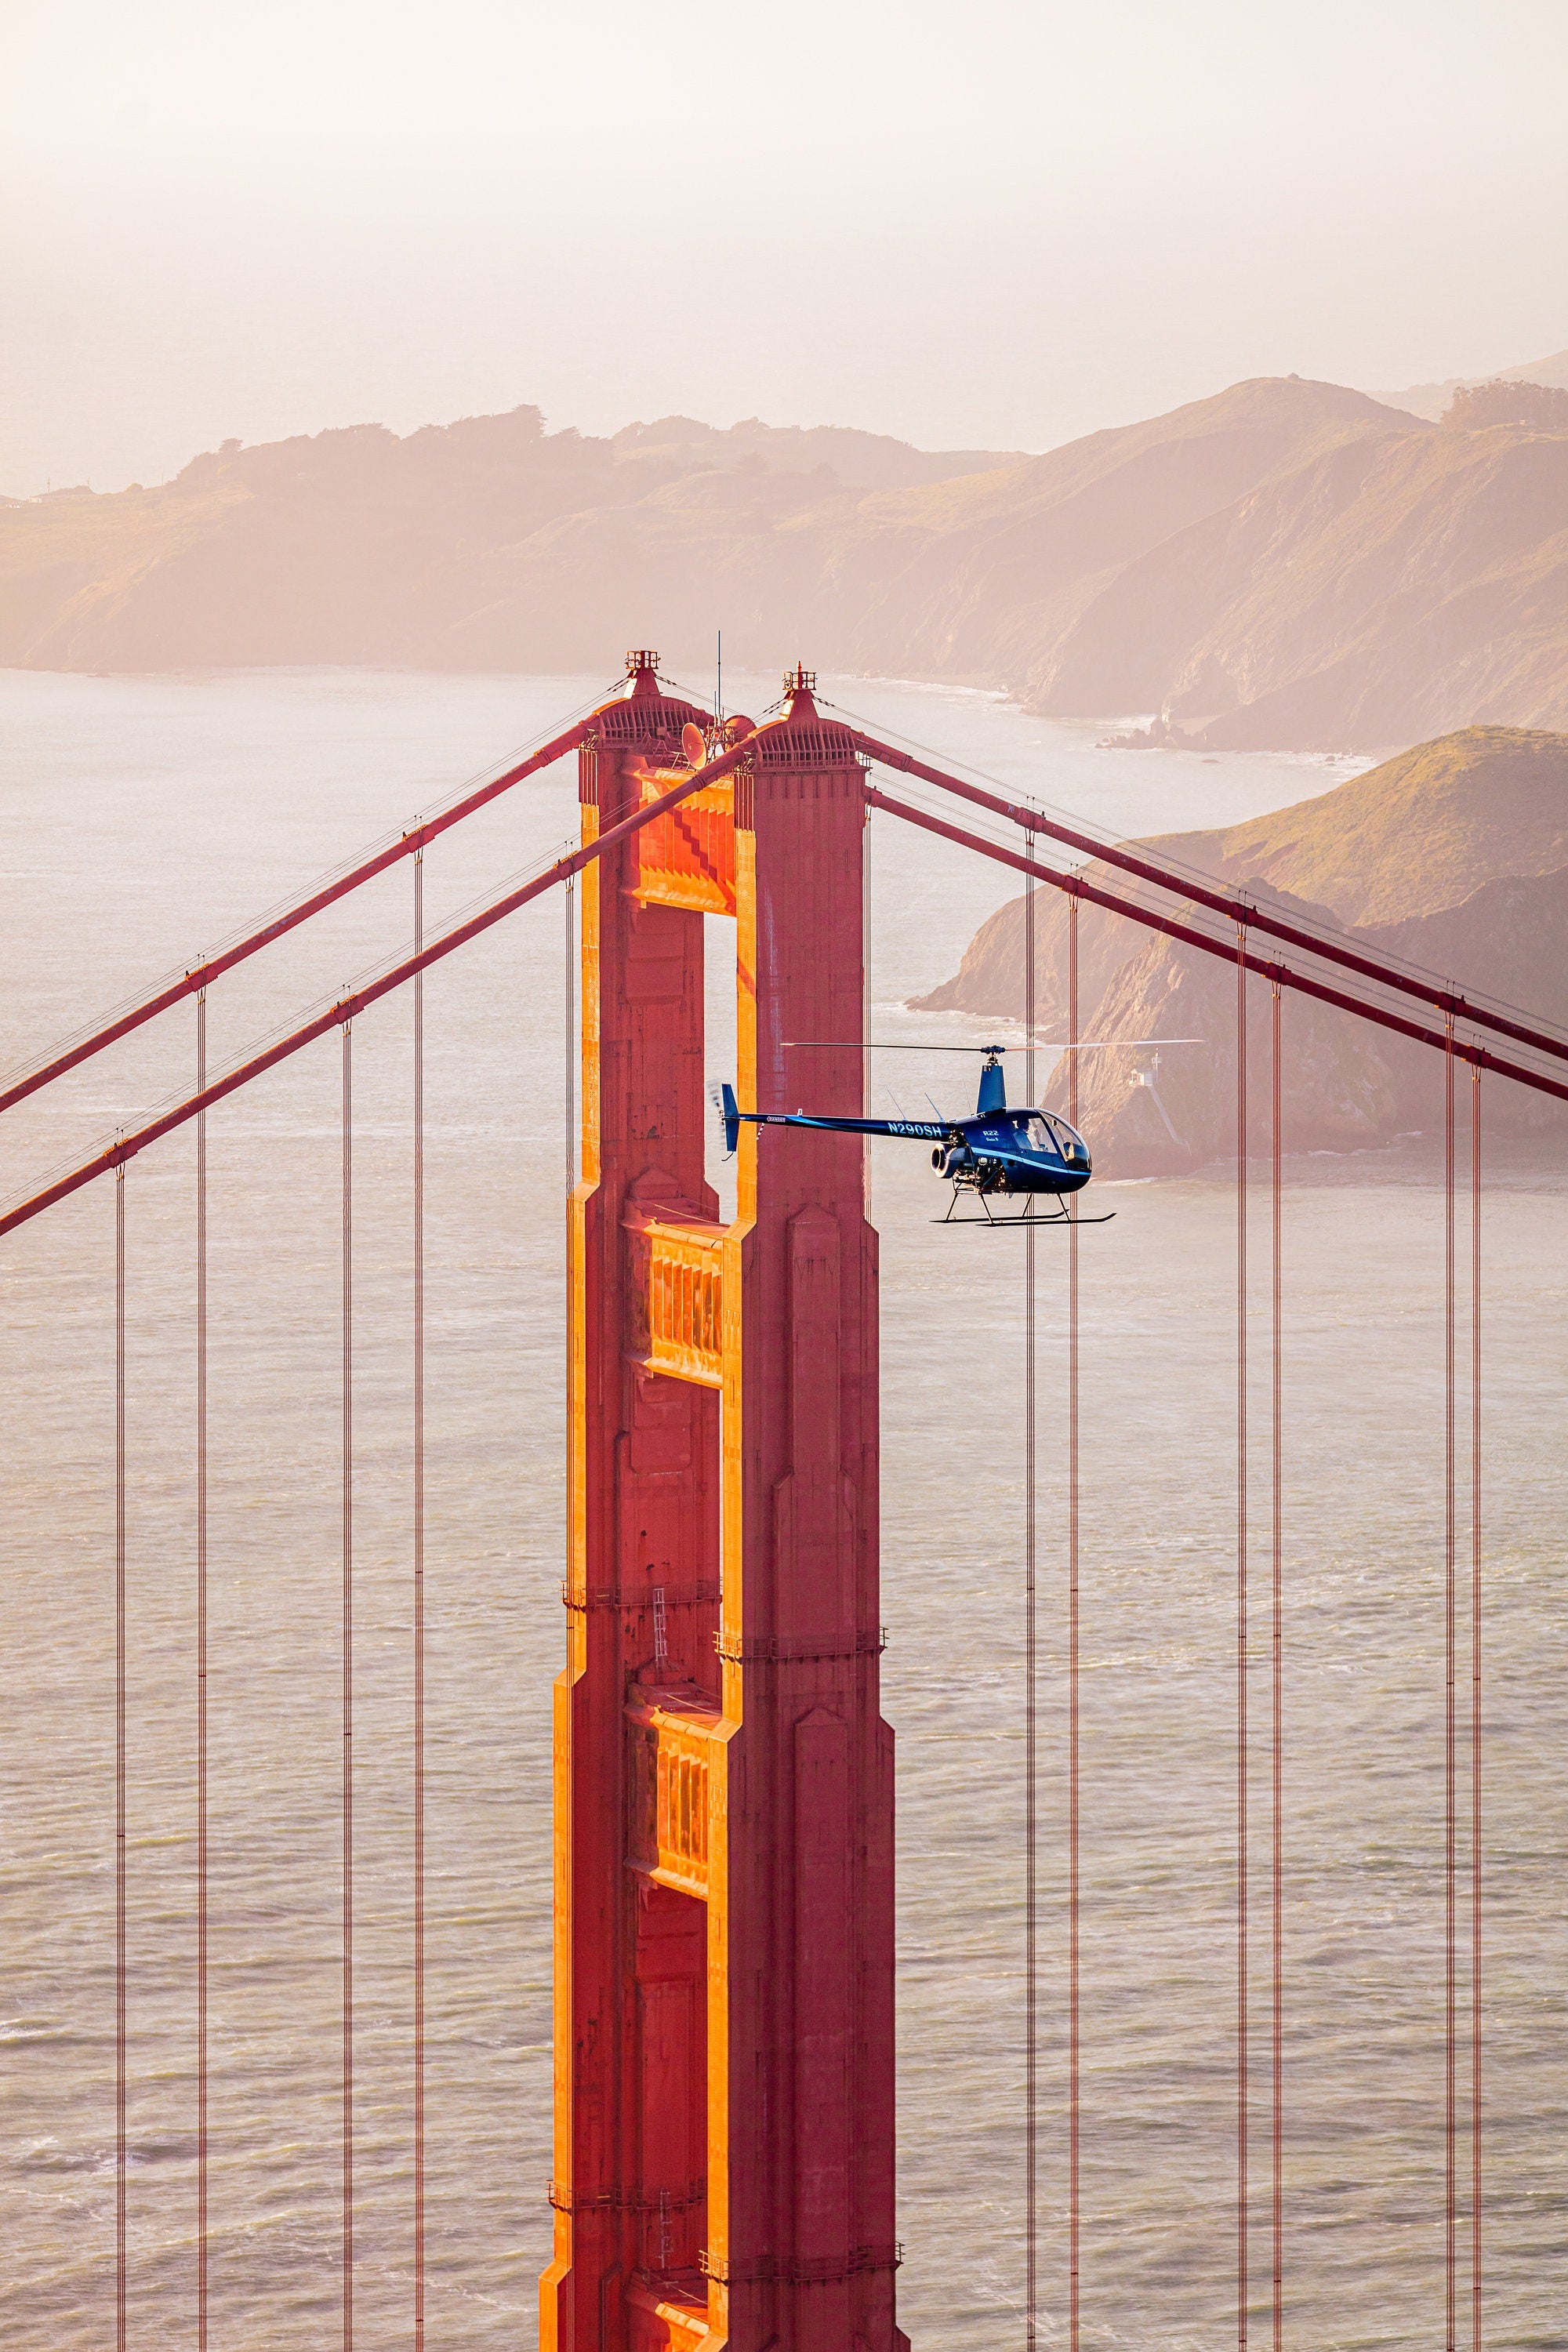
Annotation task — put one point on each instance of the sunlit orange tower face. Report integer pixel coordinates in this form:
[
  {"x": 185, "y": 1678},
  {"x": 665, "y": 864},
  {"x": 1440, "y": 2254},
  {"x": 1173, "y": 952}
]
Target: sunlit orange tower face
[{"x": 724, "y": 1803}]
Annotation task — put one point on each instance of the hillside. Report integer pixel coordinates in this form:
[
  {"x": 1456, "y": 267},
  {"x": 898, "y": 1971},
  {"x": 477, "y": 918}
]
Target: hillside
[
  {"x": 1453, "y": 857},
  {"x": 1411, "y": 836},
  {"x": 982, "y": 576},
  {"x": 1288, "y": 565},
  {"x": 356, "y": 546},
  {"x": 1406, "y": 839},
  {"x": 868, "y": 461},
  {"x": 1425, "y": 587}
]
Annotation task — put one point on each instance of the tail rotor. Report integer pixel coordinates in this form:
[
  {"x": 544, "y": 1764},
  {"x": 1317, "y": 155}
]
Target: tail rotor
[{"x": 724, "y": 1101}]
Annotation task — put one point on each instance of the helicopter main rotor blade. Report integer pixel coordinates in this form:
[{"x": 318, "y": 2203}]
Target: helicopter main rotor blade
[
  {"x": 1020, "y": 1045},
  {"x": 871, "y": 1045}
]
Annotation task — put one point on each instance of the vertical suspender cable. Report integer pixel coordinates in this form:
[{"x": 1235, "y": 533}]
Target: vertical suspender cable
[
  {"x": 1475, "y": 1710},
  {"x": 1450, "y": 1816},
  {"x": 1074, "y": 2032},
  {"x": 1277, "y": 1662},
  {"x": 418, "y": 1611},
  {"x": 569, "y": 902},
  {"x": 865, "y": 995},
  {"x": 348, "y": 1785},
  {"x": 1031, "y": 1825},
  {"x": 119, "y": 1945},
  {"x": 201, "y": 1680},
  {"x": 1242, "y": 2082},
  {"x": 569, "y": 897}
]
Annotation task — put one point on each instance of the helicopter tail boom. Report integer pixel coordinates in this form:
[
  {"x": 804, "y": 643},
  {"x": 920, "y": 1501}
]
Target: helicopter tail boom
[{"x": 922, "y": 1130}]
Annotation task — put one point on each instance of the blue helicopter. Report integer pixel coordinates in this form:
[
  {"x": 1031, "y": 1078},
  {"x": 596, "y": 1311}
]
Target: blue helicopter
[{"x": 995, "y": 1154}]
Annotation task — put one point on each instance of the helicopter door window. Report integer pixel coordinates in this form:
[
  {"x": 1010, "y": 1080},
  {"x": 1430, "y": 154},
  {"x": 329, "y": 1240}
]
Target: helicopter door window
[{"x": 1042, "y": 1135}]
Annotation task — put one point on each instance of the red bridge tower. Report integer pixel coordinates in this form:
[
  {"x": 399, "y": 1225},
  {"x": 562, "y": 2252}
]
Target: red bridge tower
[{"x": 725, "y": 2154}]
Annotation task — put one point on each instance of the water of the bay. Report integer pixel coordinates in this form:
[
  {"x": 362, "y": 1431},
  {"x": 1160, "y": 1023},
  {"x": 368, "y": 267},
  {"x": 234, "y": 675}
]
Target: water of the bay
[{"x": 141, "y": 821}]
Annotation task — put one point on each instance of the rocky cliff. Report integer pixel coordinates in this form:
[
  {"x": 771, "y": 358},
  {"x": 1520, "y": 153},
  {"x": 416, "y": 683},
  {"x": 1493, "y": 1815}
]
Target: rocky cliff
[{"x": 1452, "y": 858}]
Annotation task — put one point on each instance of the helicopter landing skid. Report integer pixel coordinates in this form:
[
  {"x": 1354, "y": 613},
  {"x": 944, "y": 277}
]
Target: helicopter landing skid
[{"x": 1059, "y": 1219}]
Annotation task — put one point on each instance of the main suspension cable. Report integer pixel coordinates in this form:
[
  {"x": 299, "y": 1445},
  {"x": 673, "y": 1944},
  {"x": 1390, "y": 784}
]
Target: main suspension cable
[
  {"x": 1475, "y": 1710},
  {"x": 283, "y": 919},
  {"x": 348, "y": 1695},
  {"x": 126, "y": 1147},
  {"x": 1276, "y": 1552},
  {"x": 1450, "y": 1727},
  {"x": 202, "y": 2051},
  {"x": 1199, "y": 891},
  {"x": 1478, "y": 1056},
  {"x": 120, "y": 2249},
  {"x": 1074, "y": 2210},
  {"x": 419, "y": 1612},
  {"x": 1031, "y": 1822},
  {"x": 1242, "y": 1986}
]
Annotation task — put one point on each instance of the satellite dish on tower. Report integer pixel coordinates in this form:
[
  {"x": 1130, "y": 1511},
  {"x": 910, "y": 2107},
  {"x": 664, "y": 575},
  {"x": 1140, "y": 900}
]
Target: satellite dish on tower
[{"x": 694, "y": 743}]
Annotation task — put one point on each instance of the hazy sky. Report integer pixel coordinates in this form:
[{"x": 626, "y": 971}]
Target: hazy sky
[{"x": 979, "y": 222}]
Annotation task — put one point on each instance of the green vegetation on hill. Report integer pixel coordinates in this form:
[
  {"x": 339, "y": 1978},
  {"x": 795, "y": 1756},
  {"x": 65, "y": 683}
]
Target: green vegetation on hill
[
  {"x": 1432, "y": 399},
  {"x": 1418, "y": 834},
  {"x": 1505, "y": 402}
]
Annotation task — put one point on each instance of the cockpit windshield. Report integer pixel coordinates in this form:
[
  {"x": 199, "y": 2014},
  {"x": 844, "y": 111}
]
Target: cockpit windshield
[{"x": 1048, "y": 1133}]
